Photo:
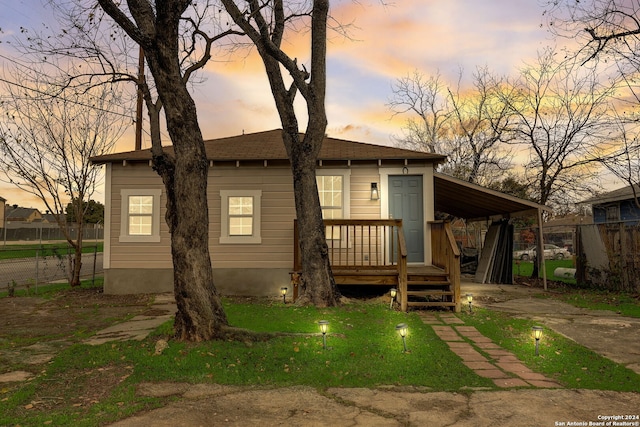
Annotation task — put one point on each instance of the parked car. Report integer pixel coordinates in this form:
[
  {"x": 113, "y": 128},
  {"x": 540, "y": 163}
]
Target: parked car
[{"x": 550, "y": 252}]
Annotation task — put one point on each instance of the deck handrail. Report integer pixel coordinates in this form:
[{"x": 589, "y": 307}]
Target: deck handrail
[
  {"x": 446, "y": 255},
  {"x": 364, "y": 244},
  {"x": 402, "y": 268}
]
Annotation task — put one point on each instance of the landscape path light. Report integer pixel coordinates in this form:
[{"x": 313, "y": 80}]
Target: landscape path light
[
  {"x": 402, "y": 329},
  {"x": 324, "y": 327},
  {"x": 470, "y": 301},
  {"x": 283, "y": 292},
  {"x": 393, "y": 293},
  {"x": 537, "y": 334}
]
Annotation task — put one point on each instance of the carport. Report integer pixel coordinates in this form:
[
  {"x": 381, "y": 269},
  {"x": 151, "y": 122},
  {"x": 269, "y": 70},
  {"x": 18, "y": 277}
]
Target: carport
[{"x": 473, "y": 203}]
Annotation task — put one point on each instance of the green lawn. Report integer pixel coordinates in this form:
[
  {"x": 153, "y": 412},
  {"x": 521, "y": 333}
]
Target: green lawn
[
  {"x": 363, "y": 350},
  {"x": 50, "y": 249},
  {"x": 559, "y": 357},
  {"x": 525, "y": 268}
]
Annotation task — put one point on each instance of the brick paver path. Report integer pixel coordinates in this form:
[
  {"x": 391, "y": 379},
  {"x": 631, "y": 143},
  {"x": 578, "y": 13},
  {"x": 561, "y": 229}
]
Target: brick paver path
[{"x": 482, "y": 355}]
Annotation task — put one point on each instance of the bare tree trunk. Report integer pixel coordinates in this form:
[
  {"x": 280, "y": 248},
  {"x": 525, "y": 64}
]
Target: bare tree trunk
[
  {"x": 200, "y": 313},
  {"x": 318, "y": 286},
  {"x": 76, "y": 264}
]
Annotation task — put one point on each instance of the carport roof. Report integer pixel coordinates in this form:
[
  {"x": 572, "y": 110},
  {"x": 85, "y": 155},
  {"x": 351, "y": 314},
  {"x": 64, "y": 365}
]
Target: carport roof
[{"x": 474, "y": 202}]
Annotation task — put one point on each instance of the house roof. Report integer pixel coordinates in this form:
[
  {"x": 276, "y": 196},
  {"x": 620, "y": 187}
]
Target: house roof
[
  {"x": 268, "y": 145},
  {"x": 624, "y": 193},
  {"x": 20, "y": 213},
  {"x": 473, "y": 202}
]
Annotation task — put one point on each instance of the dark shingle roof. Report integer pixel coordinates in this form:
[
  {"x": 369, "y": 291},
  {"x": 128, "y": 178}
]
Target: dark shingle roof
[{"x": 268, "y": 145}]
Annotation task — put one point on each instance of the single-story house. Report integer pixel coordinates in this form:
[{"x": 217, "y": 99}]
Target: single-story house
[
  {"x": 616, "y": 206},
  {"x": 364, "y": 189},
  {"x": 18, "y": 214}
]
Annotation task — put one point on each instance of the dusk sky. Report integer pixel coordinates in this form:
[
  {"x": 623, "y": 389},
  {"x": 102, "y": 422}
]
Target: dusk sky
[{"x": 388, "y": 42}]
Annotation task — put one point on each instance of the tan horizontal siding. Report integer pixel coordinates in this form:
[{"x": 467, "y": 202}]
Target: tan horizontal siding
[
  {"x": 278, "y": 213},
  {"x": 362, "y": 207}
]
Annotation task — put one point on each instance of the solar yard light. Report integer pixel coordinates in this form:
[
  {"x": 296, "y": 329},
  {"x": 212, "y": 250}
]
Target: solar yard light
[
  {"x": 402, "y": 329},
  {"x": 324, "y": 327},
  {"x": 393, "y": 293},
  {"x": 537, "y": 334},
  {"x": 283, "y": 292},
  {"x": 470, "y": 301}
]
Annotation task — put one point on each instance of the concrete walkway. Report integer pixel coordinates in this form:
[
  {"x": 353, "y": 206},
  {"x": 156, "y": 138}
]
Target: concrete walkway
[{"x": 138, "y": 327}]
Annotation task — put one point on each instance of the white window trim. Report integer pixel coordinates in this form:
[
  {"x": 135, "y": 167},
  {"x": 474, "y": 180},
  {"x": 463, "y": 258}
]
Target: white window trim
[
  {"x": 346, "y": 197},
  {"x": 254, "y": 239},
  {"x": 346, "y": 187},
  {"x": 124, "y": 215}
]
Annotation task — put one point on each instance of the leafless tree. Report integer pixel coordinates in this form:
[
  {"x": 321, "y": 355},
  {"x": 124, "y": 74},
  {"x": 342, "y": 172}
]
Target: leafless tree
[
  {"x": 481, "y": 127},
  {"x": 624, "y": 162},
  {"x": 608, "y": 32},
  {"x": 604, "y": 29},
  {"x": 265, "y": 23},
  {"x": 470, "y": 126},
  {"x": 178, "y": 38},
  {"x": 46, "y": 140},
  {"x": 424, "y": 98},
  {"x": 564, "y": 115}
]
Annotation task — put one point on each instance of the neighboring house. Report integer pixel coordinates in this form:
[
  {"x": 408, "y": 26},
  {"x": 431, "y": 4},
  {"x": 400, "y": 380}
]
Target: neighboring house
[
  {"x": 51, "y": 218},
  {"x": 18, "y": 214},
  {"x": 364, "y": 189},
  {"x": 616, "y": 206}
]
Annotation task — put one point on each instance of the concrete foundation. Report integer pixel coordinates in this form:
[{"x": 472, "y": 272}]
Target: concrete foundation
[{"x": 228, "y": 281}]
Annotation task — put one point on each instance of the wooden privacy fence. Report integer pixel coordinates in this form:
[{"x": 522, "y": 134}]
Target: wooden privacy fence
[{"x": 616, "y": 265}]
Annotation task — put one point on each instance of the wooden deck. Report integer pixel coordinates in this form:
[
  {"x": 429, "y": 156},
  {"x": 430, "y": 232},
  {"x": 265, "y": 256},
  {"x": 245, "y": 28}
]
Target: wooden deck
[{"x": 373, "y": 253}]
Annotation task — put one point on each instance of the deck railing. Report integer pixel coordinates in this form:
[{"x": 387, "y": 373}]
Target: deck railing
[
  {"x": 446, "y": 255},
  {"x": 363, "y": 244}
]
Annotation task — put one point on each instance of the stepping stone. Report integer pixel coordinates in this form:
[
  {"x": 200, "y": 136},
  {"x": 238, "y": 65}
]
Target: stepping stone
[
  {"x": 15, "y": 376},
  {"x": 491, "y": 373}
]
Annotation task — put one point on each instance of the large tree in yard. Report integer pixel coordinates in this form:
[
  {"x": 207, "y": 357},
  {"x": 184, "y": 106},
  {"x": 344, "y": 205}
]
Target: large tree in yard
[
  {"x": 157, "y": 28},
  {"x": 564, "y": 117},
  {"x": 170, "y": 31},
  {"x": 265, "y": 23},
  {"x": 608, "y": 34}
]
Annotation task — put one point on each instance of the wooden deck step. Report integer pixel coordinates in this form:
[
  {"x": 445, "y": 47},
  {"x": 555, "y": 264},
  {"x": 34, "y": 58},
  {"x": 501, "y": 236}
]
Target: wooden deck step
[
  {"x": 430, "y": 304},
  {"x": 427, "y": 278},
  {"x": 428, "y": 283},
  {"x": 425, "y": 294}
]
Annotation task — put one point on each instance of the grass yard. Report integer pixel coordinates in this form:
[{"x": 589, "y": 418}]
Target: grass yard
[
  {"x": 52, "y": 290},
  {"x": 525, "y": 268},
  {"x": 49, "y": 249},
  {"x": 623, "y": 303},
  {"x": 560, "y": 358},
  {"x": 95, "y": 385}
]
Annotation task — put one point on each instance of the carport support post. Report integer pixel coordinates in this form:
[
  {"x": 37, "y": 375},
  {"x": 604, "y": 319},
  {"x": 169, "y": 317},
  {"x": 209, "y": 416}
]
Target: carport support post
[{"x": 540, "y": 250}]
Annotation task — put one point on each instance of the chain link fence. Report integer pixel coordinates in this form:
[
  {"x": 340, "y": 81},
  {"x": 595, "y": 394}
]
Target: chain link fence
[
  {"x": 43, "y": 232},
  {"x": 31, "y": 267}
]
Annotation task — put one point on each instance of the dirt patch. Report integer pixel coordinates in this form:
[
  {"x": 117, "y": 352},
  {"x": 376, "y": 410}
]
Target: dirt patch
[{"x": 34, "y": 329}]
